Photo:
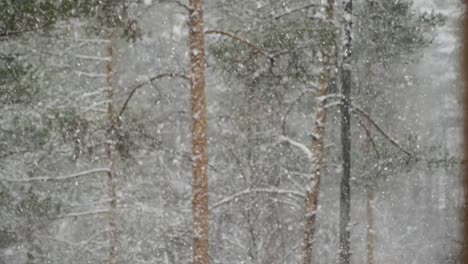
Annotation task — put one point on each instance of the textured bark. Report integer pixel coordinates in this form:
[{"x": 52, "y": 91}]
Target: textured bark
[
  {"x": 111, "y": 152},
  {"x": 312, "y": 195},
  {"x": 199, "y": 135},
  {"x": 344, "y": 256},
  {"x": 370, "y": 227},
  {"x": 465, "y": 120}
]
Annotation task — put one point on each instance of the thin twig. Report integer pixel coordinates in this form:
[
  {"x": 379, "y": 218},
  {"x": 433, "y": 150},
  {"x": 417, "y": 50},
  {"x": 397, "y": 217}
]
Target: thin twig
[{"x": 138, "y": 86}]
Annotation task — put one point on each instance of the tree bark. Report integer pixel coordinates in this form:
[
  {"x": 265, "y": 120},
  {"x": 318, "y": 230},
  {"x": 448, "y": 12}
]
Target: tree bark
[
  {"x": 344, "y": 256},
  {"x": 312, "y": 195},
  {"x": 111, "y": 153},
  {"x": 199, "y": 135}
]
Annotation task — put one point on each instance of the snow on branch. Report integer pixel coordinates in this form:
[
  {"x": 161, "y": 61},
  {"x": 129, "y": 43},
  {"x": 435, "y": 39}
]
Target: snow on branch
[
  {"x": 259, "y": 190},
  {"x": 152, "y": 79},
  {"x": 96, "y": 58},
  {"x": 292, "y": 11},
  {"x": 91, "y": 74},
  {"x": 85, "y": 213},
  {"x": 240, "y": 39},
  {"x": 298, "y": 145},
  {"x": 59, "y": 178}
]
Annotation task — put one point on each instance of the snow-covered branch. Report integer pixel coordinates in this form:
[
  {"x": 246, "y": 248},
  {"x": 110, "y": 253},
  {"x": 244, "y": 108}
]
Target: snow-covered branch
[
  {"x": 292, "y": 11},
  {"x": 96, "y": 58},
  {"x": 298, "y": 145},
  {"x": 85, "y": 213},
  {"x": 91, "y": 74},
  {"x": 59, "y": 178},
  {"x": 258, "y": 190}
]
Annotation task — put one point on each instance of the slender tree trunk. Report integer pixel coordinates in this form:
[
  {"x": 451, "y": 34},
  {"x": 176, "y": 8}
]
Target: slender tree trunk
[
  {"x": 111, "y": 152},
  {"x": 312, "y": 195},
  {"x": 370, "y": 226},
  {"x": 345, "y": 191},
  {"x": 465, "y": 120},
  {"x": 199, "y": 135}
]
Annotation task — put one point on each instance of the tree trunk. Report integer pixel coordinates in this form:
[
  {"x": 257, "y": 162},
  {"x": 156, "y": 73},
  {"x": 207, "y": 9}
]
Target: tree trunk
[
  {"x": 312, "y": 195},
  {"x": 199, "y": 135},
  {"x": 345, "y": 191},
  {"x": 370, "y": 227},
  {"x": 111, "y": 156},
  {"x": 465, "y": 120}
]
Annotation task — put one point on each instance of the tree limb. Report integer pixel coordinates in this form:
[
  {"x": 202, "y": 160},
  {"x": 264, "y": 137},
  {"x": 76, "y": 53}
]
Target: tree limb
[
  {"x": 138, "y": 86},
  {"x": 299, "y": 145},
  {"x": 59, "y": 178},
  {"x": 359, "y": 110}
]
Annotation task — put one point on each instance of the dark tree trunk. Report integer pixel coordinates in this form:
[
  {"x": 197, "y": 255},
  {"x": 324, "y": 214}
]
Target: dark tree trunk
[
  {"x": 465, "y": 181},
  {"x": 345, "y": 191}
]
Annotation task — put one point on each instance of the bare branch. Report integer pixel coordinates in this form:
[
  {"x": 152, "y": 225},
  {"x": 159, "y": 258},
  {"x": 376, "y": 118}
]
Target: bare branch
[
  {"x": 359, "y": 110},
  {"x": 59, "y": 178},
  {"x": 152, "y": 79},
  {"x": 369, "y": 136},
  {"x": 259, "y": 190},
  {"x": 240, "y": 39}
]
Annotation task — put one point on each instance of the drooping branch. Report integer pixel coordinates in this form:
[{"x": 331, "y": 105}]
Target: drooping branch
[
  {"x": 59, "y": 178},
  {"x": 369, "y": 136},
  {"x": 152, "y": 79},
  {"x": 359, "y": 110},
  {"x": 258, "y": 190},
  {"x": 240, "y": 39}
]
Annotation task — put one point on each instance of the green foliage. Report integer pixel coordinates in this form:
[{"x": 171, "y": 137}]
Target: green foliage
[
  {"x": 32, "y": 206},
  {"x": 391, "y": 30},
  {"x": 15, "y": 81},
  {"x": 25, "y": 15},
  {"x": 7, "y": 238}
]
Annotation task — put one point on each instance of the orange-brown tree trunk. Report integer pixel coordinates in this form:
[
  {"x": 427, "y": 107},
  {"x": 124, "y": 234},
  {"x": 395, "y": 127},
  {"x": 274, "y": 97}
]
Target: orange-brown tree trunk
[
  {"x": 312, "y": 195},
  {"x": 111, "y": 153},
  {"x": 200, "y": 245}
]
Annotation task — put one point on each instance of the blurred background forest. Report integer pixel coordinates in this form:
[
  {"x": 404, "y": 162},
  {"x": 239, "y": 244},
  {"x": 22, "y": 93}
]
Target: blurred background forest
[{"x": 96, "y": 160}]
